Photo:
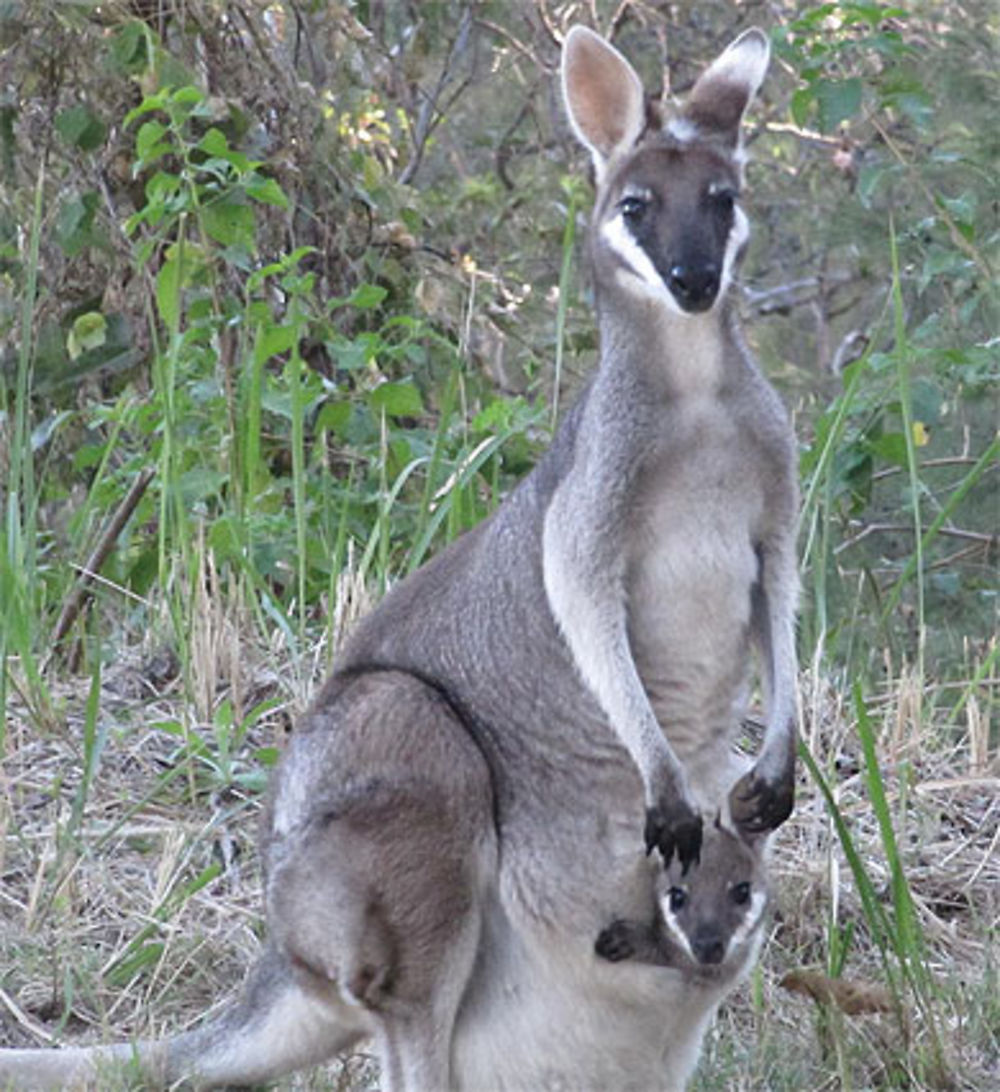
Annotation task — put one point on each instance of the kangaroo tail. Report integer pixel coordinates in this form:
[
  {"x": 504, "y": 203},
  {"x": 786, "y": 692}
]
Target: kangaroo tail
[{"x": 278, "y": 1025}]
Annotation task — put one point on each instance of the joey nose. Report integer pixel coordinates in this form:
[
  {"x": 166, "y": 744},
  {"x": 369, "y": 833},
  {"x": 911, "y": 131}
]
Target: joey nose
[
  {"x": 694, "y": 286},
  {"x": 708, "y": 947}
]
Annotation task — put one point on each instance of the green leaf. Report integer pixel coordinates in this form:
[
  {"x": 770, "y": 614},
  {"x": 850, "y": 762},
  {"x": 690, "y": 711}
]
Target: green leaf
[
  {"x": 129, "y": 53},
  {"x": 367, "y": 296},
  {"x": 148, "y": 146},
  {"x": 397, "y": 399},
  {"x": 168, "y": 283},
  {"x": 81, "y": 128},
  {"x": 89, "y": 331},
  {"x": 891, "y": 447},
  {"x": 147, "y": 106},
  {"x": 200, "y": 483},
  {"x": 75, "y": 229},
  {"x": 266, "y": 190},
  {"x": 229, "y": 222},
  {"x": 333, "y": 417},
  {"x": 187, "y": 96},
  {"x": 837, "y": 101},
  {"x": 214, "y": 143},
  {"x": 274, "y": 340}
]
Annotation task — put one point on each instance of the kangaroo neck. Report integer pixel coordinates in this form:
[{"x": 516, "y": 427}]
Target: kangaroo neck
[{"x": 677, "y": 355}]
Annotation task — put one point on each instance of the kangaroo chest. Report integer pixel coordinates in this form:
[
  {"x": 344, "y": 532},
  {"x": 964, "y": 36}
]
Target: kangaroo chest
[{"x": 691, "y": 566}]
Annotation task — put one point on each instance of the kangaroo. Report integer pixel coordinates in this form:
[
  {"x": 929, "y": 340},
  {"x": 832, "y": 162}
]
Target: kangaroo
[
  {"x": 710, "y": 924},
  {"x": 475, "y": 790}
]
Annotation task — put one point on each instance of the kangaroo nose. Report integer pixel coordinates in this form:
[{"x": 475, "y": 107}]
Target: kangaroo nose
[
  {"x": 694, "y": 287},
  {"x": 708, "y": 947}
]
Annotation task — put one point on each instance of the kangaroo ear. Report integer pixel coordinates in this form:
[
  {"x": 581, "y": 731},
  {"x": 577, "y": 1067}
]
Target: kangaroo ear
[
  {"x": 719, "y": 99},
  {"x": 603, "y": 95}
]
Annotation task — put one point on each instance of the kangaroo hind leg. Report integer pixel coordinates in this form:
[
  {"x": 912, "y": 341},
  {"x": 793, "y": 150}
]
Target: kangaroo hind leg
[{"x": 383, "y": 848}]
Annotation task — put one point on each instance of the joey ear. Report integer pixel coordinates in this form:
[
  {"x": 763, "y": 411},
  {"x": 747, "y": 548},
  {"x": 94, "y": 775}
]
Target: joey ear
[
  {"x": 725, "y": 89},
  {"x": 603, "y": 94}
]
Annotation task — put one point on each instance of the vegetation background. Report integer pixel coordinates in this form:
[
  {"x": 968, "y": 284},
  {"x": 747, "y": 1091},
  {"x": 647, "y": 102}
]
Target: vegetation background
[{"x": 291, "y": 293}]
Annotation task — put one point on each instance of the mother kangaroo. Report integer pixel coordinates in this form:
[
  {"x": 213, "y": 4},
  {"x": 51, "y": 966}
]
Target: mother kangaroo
[{"x": 473, "y": 795}]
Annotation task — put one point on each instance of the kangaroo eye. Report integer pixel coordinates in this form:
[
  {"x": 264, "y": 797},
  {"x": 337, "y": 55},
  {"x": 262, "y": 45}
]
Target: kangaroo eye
[
  {"x": 678, "y": 897},
  {"x": 740, "y": 894},
  {"x": 722, "y": 197},
  {"x": 632, "y": 207}
]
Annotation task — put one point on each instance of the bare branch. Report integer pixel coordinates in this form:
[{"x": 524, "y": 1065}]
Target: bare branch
[
  {"x": 981, "y": 539},
  {"x": 430, "y": 116},
  {"x": 105, "y": 544}
]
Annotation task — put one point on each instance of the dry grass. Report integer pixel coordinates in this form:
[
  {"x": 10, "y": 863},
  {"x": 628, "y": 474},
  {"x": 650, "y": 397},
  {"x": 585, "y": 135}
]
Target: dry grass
[
  {"x": 72, "y": 903},
  {"x": 943, "y": 791}
]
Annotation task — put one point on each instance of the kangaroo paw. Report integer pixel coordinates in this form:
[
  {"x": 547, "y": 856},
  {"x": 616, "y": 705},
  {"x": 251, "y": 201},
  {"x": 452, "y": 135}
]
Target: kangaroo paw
[
  {"x": 758, "y": 804},
  {"x": 615, "y": 942},
  {"x": 673, "y": 827}
]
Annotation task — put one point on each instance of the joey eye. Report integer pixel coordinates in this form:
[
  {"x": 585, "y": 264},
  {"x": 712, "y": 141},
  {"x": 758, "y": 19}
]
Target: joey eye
[
  {"x": 740, "y": 894},
  {"x": 632, "y": 207},
  {"x": 723, "y": 198},
  {"x": 678, "y": 898}
]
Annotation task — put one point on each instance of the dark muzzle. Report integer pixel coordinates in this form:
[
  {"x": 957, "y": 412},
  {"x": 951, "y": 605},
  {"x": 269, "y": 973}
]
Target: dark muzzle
[{"x": 694, "y": 287}]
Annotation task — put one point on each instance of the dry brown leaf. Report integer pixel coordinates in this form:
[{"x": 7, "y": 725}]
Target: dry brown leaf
[{"x": 852, "y": 996}]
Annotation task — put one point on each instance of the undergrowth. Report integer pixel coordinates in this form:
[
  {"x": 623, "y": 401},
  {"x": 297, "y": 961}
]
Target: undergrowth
[{"x": 287, "y": 391}]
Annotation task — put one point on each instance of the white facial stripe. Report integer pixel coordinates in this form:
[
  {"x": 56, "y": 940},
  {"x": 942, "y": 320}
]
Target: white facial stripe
[
  {"x": 636, "y": 268},
  {"x": 755, "y": 911},
  {"x": 674, "y": 929},
  {"x": 738, "y": 235}
]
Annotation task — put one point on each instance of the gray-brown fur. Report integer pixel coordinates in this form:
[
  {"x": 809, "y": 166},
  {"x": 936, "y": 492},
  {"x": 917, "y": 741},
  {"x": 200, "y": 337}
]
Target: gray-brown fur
[
  {"x": 470, "y": 798},
  {"x": 709, "y": 919}
]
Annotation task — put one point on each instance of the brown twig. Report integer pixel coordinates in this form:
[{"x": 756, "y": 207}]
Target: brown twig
[
  {"x": 982, "y": 539},
  {"x": 614, "y": 24},
  {"x": 950, "y": 460},
  {"x": 554, "y": 35},
  {"x": 430, "y": 115},
  {"x": 515, "y": 43},
  {"x": 25, "y": 1020},
  {"x": 99, "y": 554}
]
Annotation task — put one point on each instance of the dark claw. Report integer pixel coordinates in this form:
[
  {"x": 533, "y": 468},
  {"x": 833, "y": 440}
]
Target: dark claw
[
  {"x": 614, "y": 942},
  {"x": 677, "y": 829},
  {"x": 758, "y": 806}
]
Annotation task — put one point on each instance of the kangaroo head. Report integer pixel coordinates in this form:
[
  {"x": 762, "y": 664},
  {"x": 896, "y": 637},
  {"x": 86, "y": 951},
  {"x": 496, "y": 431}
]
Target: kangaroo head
[
  {"x": 714, "y": 911},
  {"x": 666, "y": 219}
]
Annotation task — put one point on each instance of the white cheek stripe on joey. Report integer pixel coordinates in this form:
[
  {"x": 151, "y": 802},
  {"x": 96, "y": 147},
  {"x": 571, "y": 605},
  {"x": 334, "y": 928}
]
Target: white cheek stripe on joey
[
  {"x": 746, "y": 927},
  {"x": 674, "y": 928}
]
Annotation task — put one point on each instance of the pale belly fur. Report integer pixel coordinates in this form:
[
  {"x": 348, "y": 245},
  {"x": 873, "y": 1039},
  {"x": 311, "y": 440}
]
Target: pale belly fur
[
  {"x": 543, "y": 1011},
  {"x": 546, "y": 1014}
]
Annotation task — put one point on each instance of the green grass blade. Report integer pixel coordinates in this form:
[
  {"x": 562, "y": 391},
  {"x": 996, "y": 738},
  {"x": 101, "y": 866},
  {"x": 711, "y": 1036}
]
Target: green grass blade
[
  {"x": 905, "y": 934},
  {"x": 958, "y": 494},
  {"x": 874, "y": 912}
]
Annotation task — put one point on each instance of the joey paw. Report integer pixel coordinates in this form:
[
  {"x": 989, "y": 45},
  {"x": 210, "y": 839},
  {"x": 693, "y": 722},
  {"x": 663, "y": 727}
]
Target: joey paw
[
  {"x": 758, "y": 805},
  {"x": 615, "y": 942},
  {"x": 674, "y": 828}
]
